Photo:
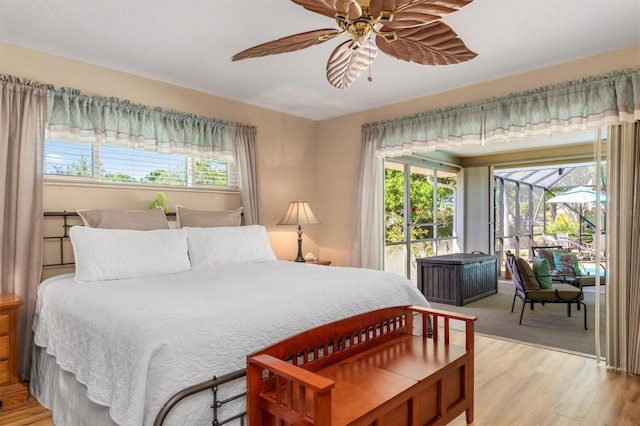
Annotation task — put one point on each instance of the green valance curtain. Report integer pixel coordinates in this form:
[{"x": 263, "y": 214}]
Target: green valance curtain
[
  {"x": 74, "y": 116},
  {"x": 572, "y": 106}
]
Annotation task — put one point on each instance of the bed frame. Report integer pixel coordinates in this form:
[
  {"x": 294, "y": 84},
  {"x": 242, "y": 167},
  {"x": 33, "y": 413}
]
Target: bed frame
[
  {"x": 62, "y": 239},
  {"x": 66, "y": 220}
]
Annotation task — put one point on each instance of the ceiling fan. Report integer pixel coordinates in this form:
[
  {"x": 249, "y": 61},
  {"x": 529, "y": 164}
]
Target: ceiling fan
[{"x": 410, "y": 30}]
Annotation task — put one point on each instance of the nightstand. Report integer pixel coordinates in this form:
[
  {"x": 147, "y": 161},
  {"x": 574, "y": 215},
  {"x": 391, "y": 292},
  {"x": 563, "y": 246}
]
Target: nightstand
[
  {"x": 13, "y": 394},
  {"x": 316, "y": 262},
  {"x": 319, "y": 262}
]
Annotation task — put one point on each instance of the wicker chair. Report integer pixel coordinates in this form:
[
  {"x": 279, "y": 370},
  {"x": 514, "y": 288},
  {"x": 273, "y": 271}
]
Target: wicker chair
[{"x": 525, "y": 283}]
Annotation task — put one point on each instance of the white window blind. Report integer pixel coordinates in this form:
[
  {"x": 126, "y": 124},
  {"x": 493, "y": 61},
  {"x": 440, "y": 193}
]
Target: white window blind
[{"x": 108, "y": 163}]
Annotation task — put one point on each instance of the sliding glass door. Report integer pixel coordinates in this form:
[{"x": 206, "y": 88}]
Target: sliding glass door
[{"x": 419, "y": 214}]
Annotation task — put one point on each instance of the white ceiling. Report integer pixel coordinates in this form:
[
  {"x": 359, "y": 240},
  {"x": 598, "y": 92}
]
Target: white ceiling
[{"x": 190, "y": 42}]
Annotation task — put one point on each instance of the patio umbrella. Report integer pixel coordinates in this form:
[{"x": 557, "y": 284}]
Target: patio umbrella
[{"x": 579, "y": 195}]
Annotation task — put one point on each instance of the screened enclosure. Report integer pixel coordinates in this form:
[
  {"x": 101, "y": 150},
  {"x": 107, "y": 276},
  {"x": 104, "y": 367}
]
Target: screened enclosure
[{"x": 526, "y": 214}]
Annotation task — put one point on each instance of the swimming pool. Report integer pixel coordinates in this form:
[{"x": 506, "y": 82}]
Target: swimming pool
[{"x": 590, "y": 269}]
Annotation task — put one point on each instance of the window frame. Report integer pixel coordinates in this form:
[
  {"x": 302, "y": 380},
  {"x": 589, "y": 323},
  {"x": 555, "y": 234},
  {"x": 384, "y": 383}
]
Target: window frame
[{"x": 407, "y": 243}]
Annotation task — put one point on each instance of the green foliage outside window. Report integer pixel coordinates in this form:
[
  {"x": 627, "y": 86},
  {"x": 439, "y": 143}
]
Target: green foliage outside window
[
  {"x": 394, "y": 206},
  {"x": 117, "y": 177},
  {"x": 563, "y": 223},
  {"x": 421, "y": 214},
  {"x": 210, "y": 173}
]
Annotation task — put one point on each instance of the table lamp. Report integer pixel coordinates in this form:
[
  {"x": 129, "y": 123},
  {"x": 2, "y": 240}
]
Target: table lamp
[{"x": 299, "y": 213}]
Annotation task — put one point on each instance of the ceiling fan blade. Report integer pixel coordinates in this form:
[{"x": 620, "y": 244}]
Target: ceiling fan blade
[
  {"x": 331, "y": 7},
  {"x": 433, "y": 44},
  {"x": 414, "y": 13},
  {"x": 346, "y": 63},
  {"x": 287, "y": 44}
]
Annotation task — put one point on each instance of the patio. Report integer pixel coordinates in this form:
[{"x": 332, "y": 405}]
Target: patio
[{"x": 550, "y": 206}]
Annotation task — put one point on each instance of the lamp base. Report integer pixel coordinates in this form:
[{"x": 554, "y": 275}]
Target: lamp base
[{"x": 299, "y": 258}]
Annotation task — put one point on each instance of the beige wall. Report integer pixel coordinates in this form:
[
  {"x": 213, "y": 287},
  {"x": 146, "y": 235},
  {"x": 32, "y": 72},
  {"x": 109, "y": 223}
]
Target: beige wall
[
  {"x": 286, "y": 145},
  {"x": 339, "y": 138},
  {"x": 297, "y": 158}
]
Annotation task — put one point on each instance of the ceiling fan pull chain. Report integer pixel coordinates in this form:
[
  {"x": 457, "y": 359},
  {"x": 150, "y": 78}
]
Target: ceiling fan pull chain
[
  {"x": 369, "y": 78},
  {"x": 483, "y": 141}
]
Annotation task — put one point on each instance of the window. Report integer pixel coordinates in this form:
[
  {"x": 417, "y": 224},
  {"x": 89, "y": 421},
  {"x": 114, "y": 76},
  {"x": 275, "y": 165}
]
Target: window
[
  {"x": 419, "y": 215},
  {"x": 108, "y": 163}
]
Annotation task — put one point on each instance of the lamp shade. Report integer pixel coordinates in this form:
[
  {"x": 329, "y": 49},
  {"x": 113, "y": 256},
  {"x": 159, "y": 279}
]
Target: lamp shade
[{"x": 298, "y": 213}]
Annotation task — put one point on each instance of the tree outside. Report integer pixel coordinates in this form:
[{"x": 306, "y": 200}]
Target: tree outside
[
  {"x": 209, "y": 172},
  {"x": 424, "y": 214},
  {"x": 421, "y": 216}
]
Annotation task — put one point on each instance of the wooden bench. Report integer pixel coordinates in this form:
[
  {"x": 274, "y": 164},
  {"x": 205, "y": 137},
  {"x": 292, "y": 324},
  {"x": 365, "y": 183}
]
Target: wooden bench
[{"x": 366, "y": 369}]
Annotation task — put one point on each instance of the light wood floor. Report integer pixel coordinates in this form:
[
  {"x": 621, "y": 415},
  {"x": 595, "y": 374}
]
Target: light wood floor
[
  {"x": 516, "y": 384},
  {"x": 33, "y": 414}
]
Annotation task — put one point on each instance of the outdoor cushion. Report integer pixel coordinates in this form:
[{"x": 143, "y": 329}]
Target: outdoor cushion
[
  {"x": 589, "y": 280},
  {"x": 526, "y": 273},
  {"x": 548, "y": 254},
  {"x": 542, "y": 271},
  {"x": 565, "y": 292},
  {"x": 567, "y": 263}
]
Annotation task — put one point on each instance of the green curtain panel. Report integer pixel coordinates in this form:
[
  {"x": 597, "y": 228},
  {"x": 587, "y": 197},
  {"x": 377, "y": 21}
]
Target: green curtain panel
[
  {"x": 74, "y": 116},
  {"x": 575, "y": 105}
]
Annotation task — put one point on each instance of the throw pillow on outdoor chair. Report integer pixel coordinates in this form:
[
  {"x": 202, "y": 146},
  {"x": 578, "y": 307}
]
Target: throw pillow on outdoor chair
[
  {"x": 568, "y": 264},
  {"x": 542, "y": 271},
  {"x": 555, "y": 266},
  {"x": 529, "y": 279}
]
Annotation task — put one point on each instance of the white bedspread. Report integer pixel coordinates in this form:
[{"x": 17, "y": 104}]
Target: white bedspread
[{"x": 136, "y": 342}]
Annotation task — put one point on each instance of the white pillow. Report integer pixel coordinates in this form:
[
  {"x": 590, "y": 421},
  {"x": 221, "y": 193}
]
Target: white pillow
[
  {"x": 227, "y": 245},
  {"x": 111, "y": 254}
]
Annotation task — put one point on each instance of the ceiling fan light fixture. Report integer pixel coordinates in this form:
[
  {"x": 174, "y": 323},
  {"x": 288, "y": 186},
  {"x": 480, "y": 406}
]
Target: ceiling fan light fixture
[{"x": 412, "y": 31}]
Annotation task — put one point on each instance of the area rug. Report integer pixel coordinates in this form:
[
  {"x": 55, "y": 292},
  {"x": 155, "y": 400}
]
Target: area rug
[{"x": 547, "y": 326}]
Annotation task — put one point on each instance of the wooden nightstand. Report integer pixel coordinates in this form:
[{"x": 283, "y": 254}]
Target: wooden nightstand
[
  {"x": 13, "y": 394},
  {"x": 319, "y": 262}
]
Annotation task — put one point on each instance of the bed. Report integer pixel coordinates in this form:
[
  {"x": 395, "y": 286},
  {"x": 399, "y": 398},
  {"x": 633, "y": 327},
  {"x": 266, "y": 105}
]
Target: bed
[{"x": 149, "y": 313}]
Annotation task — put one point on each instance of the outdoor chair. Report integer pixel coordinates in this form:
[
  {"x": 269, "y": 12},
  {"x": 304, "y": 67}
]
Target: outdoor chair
[
  {"x": 563, "y": 239},
  {"x": 566, "y": 271},
  {"x": 528, "y": 289},
  {"x": 590, "y": 249}
]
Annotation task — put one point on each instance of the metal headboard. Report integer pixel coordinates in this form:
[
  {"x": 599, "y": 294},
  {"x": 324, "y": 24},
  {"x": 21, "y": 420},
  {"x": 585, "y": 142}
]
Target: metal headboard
[{"x": 60, "y": 238}]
